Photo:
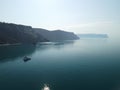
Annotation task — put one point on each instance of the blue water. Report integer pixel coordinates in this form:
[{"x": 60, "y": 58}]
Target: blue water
[{"x": 85, "y": 64}]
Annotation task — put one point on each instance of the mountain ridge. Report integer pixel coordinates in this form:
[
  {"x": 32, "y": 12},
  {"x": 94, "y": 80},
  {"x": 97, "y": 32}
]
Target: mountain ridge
[{"x": 11, "y": 33}]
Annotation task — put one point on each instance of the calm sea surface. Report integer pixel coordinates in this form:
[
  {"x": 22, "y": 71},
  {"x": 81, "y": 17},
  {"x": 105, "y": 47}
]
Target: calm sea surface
[{"x": 85, "y": 64}]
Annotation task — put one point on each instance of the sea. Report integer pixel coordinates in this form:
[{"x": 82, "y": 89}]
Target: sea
[{"x": 85, "y": 64}]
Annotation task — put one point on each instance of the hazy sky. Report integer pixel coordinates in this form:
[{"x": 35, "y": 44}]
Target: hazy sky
[{"x": 79, "y": 16}]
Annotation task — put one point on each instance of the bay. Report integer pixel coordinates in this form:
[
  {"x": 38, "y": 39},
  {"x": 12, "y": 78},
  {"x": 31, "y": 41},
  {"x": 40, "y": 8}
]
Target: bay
[{"x": 85, "y": 64}]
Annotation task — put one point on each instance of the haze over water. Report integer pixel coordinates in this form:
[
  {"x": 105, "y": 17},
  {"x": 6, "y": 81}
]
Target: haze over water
[{"x": 85, "y": 64}]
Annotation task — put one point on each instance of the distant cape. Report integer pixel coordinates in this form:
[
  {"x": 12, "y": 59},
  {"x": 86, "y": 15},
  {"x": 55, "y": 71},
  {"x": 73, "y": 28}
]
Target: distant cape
[
  {"x": 93, "y": 35},
  {"x": 18, "y": 34}
]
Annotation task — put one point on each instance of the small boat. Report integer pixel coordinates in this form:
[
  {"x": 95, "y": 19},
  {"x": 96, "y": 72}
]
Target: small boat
[
  {"x": 46, "y": 87},
  {"x": 26, "y": 58}
]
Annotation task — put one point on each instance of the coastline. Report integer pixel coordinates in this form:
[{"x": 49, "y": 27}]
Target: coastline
[{"x": 8, "y": 44}]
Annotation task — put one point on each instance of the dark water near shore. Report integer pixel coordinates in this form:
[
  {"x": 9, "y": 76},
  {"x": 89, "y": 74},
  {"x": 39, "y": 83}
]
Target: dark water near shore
[{"x": 86, "y": 64}]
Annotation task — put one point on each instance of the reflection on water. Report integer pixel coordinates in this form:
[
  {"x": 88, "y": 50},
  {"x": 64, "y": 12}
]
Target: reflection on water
[
  {"x": 8, "y": 53},
  {"x": 86, "y": 64},
  {"x": 12, "y": 52}
]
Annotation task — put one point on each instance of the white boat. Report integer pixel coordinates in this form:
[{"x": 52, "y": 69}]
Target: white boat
[{"x": 46, "y": 87}]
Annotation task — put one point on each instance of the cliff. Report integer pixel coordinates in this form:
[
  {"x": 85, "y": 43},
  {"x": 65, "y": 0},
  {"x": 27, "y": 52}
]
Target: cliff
[
  {"x": 14, "y": 33},
  {"x": 56, "y": 35}
]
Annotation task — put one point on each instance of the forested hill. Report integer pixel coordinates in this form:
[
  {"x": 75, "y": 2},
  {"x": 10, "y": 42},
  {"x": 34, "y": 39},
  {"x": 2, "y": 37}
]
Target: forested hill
[
  {"x": 56, "y": 35},
  {"x": 13, "y": 33}
]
